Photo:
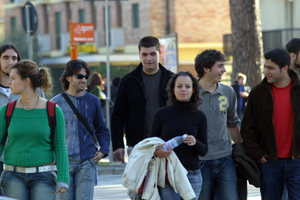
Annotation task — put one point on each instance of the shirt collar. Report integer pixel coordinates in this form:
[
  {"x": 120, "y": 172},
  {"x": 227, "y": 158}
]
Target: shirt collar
[{"x": 218, "y": 90}]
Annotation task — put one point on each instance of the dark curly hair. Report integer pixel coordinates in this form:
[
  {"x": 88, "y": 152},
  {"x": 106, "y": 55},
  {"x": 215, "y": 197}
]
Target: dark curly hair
[
  {"x": 280, "y": 57},
  {"x": 196, "y": 100},
  {"x": 207, "y": 59},
  {"x": 73, "y": 67}
]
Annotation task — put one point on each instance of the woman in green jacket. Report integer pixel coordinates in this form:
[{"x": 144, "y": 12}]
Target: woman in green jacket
[{"x": 29, "y": 161}]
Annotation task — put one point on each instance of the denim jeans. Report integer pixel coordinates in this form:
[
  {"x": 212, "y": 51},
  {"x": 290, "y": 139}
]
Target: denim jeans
[
  {"x": 276, "y": 174},
  {"x": 82, "y": 181},
  {"x": 195, "y": 180},
  {"x": 31, "y": 186},
  {"x": 219, "y": 179}
]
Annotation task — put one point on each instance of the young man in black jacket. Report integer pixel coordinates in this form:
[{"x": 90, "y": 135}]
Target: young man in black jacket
[
  {"x": 140, "y": 93},
  {"x": 271, "y": 127}
]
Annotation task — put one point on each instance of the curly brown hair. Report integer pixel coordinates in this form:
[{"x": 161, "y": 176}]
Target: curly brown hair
[
  {"x": 196, "y": 99},
  {"x": 207, "y": 59}
]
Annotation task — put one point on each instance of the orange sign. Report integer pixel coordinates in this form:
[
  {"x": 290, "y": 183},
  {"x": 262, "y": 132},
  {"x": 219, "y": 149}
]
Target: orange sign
[{"x": 83, "y": 32}]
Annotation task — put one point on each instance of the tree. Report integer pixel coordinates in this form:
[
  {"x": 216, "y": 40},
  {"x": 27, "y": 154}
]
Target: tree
[
  {"x": 247, "y": 43},
  {"x": 19, "y": 39}
]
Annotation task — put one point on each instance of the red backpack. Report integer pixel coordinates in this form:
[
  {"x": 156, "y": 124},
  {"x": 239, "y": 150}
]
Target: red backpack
[{"x": 51, "y": 117}]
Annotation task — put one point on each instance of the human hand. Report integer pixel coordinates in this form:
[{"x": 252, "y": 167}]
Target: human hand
[
  {"x": 244, "y": 94},
  {"x": 264, "y": 159},
  {"x": 98, "y": 156},
  {"x": 190, "y": 140},
  {"x": 119, "y": 155},
  {"x": 160, "y": 152},
  {"x": 61, "y": 190}
]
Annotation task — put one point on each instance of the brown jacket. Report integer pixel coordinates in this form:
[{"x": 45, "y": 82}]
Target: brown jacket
[{"x": 257, "y": 126}]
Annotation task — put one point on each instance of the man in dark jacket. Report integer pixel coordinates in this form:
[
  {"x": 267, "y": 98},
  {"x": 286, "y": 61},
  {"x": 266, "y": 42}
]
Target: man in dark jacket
[
  {"x": 271, "y": 127},
  {"x": 140, "y": 93}
]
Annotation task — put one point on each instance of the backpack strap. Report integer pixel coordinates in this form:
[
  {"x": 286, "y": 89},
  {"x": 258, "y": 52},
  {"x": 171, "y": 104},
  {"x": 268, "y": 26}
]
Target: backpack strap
[
  {"x": 52, "y": 120},
  {"x": 8, "y": 113}
]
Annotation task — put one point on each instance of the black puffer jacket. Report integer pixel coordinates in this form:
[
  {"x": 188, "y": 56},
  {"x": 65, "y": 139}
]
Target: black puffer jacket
[{"x": 130, "y": 105}]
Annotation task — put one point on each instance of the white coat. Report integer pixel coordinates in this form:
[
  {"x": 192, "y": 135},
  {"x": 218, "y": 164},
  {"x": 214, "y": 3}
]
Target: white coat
[{"x": 141, "y": 163}]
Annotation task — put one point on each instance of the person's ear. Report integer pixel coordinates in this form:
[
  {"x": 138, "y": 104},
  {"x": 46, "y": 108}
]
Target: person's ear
[
  {"x": 293, "y": 56},
  {"x": 68, "y": 78},
  {"x": 205, "y": 69}
]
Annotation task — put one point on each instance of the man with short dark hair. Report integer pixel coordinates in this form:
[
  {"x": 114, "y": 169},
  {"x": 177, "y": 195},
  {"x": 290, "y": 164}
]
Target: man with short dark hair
[
  {"x": 293, "y": 47},
  {"x": 82, "y": 152},
  {"x": 219, "y": 105},
  {"x": 271, "y": 129},
  {"x": 140, "y": 93}
]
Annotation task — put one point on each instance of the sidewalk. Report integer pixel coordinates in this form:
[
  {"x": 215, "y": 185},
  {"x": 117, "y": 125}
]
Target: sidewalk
[
  {"x": 115, "y": 168},
  {"x": 110, "y": 188}
]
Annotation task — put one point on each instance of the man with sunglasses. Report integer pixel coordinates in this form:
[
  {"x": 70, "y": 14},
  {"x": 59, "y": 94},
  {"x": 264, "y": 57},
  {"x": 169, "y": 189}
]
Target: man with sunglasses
[{"x": 83, "y": 156}]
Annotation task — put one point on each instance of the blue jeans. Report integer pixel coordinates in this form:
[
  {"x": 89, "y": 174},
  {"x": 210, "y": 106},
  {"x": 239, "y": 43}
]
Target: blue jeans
[
  {"x": 274, "y": 174},
  {"x": 82, "y": 181},
  {"x": 219, "y": 179},
  {"x": 195, "y": 180},
  {"x": 33, "y": 186},
  {"x": 240, "y": 115}
]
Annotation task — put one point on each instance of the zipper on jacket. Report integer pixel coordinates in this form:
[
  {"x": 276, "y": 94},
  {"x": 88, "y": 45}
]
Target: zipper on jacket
[
  {"x": 140, "y": 85},
  {"x": 145, "y": 136}
]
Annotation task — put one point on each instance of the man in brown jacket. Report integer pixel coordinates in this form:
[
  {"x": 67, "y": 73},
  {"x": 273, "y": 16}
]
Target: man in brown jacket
[{"x": 271, "y": 127}]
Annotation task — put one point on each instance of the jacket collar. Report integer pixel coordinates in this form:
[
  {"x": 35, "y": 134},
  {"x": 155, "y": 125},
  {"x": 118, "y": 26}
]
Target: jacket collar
[
  {"x": 137, "y": 72},
  {"x": 293, "y": 75}
]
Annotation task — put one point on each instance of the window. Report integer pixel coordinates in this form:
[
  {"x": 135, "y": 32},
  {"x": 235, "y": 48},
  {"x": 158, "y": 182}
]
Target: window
[
  {"x": 136, "y": 20},
  {"x": 82, "y": 16},
  {"x": 13, "y": 24},
  {"x": 58, "y": 29}
]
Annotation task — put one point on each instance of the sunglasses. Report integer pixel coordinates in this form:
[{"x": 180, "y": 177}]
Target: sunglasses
[{"x": 80, "y": 76}]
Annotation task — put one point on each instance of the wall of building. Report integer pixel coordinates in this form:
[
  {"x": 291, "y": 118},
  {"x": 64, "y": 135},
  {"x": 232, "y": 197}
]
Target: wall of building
[
  {"x": 13, "y": 12},
  {"x": 2, "y": 24},
  {"x": 133, "y": 35},
  {"x": 201, "y": 21},
  {"x": 115, "y": 18},
  {"x": 274, "y": 15}
]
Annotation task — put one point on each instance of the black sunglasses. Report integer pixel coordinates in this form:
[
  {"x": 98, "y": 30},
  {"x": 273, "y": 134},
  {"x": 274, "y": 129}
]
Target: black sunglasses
[{"x": 80, "y": 76}]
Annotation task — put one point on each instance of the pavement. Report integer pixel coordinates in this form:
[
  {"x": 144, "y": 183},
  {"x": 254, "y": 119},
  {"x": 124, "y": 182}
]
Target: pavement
[
  {"x": 110, "y": 188},
  {"x": 110, "y": 184}
]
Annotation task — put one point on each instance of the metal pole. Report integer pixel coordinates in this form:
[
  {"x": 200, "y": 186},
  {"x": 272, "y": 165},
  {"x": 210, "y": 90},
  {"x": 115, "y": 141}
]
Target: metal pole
[
  {"x": 28, "y": 32},
  {"x": 108, "y": 79}
]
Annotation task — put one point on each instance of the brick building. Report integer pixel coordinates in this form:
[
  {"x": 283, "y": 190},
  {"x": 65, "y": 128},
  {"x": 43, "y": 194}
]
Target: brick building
[{"x": 199, "y": 24}]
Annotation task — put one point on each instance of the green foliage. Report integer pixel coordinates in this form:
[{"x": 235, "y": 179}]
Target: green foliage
[{"x": 19, "y": 39}]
